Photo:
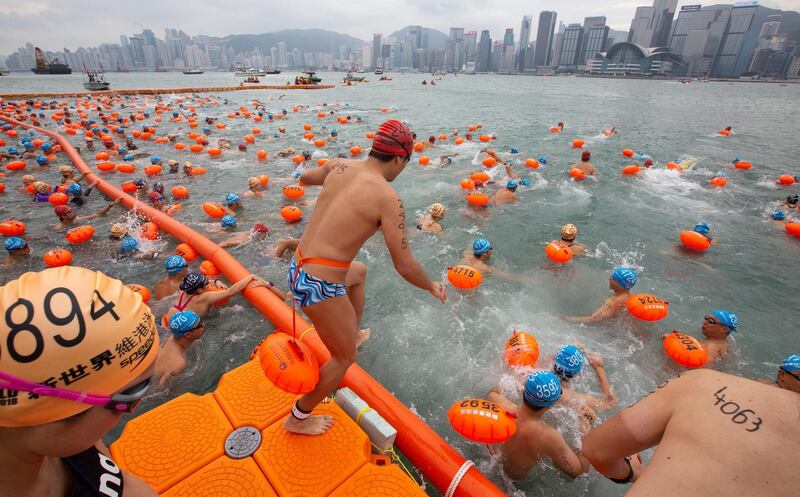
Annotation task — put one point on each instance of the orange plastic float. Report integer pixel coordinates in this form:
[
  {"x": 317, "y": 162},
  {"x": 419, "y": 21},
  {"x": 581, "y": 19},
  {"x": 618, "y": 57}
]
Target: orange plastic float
[
  {"x": 57, "y": 257},
  {"x": 647, "y": 307},
  {"x": 2, "y": 187},
  {"x": 424, "y": 160},
  {"x": 672, "y": 166},
  {"x": 489, "y": 162},
  {"x": 793, "y": 229},
  {"x": 196, "y": 148},
  {"x": 208, "y": 268},
  {"x": 58, "y": 198},
  {"x": 685, "y": 350},
  {"x": 464, "y": 277},
  {"x": 467, "y": 184},
  {"x": 355, "y": 150},
  {"x": 186, "y": 251},
  {"x": 141, "y": 290},
  {"x": 180, "y": 192},
  {"x": 197, "y": 171},
  {"x": 180, "y": 146},
  {"x": 101, "y": 156},
  {"x": 719, "y": 181},
  {"x": 15, "y": 165},
  {"x": 459, "y": 141},
  {"x": 555, "y": 129},
  {"x": 261, "y": 154},
  {"x": 129, "y": 187},
  {"x": 628, "y": 152},
  {"x": 263, "y": 179},
  {"x": 288, "y": 364},
  {"x": 106, "y": 166},
  {"x": 725, "y": 132},
  {"x": 419, "y": 147},
  {"x": 485, "y": 138},
  {"x": 291, "y": 214},
  {"x": 557, "y": 253},
  {"x": 481, "y": 176},
  {"x": 482, "y": 421},
  {"x": 214, "y": 209},
  {"x": 80, "y": 234},
  {"x": 149, "y": 230},
  {"x": 479, "y": 199},
  {"x": 743, "y": 164},
  {"x": 12, "y": 227},
  {"x": 786, "y": 179},
  {"x": 579, "y": 143},
  {"x": 693, "y": 240},
  {"x": 532, "y": 163},
  {"x": 632, "y": 169},
  {"x": 126, "y": 168},
  {"x": 293, "y": 192},
  {"x": 152, "y": 170},
  {"x": 577, "y": 173},
  {"x": 214, "y": 152},
  {"x": 522, "y": 350}
]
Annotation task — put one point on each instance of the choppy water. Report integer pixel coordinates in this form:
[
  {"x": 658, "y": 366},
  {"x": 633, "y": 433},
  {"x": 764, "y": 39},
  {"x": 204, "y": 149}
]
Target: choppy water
[{"x": 430, "y": 355}]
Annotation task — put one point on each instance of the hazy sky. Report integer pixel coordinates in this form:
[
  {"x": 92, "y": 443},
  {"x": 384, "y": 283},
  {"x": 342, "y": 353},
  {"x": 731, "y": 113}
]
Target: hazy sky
[{"x": 56, "y": 24}]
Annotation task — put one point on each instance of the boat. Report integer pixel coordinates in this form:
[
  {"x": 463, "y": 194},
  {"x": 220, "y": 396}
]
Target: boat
[
  {"x": 194, "y": 70},
  {"x": 272, "y": 71},
  {"x": 250, "y": 72},
  {"x": 312, "y": 76},
  {"x": 349, "y": 78},
  {"x": 307, "y": 80},
  {"x": 378, "y": 71},
  {"x": 251, "y": 79},
  {"x": 97, "y": 80},
  {"x": 3, "y": 71},
  {"x": 44, "y": 66}
]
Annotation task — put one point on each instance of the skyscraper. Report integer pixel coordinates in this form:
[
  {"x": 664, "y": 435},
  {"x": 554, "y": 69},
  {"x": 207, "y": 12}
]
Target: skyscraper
[
  {"x": 484, "y": 52},
  {"x": 470, "y": 46},
  {"x": 376, "y": 50},
  {"x": 697, "y": 37},
  {"x": 571, "y": 46},
  {"x": 524, "y": 39},
  {"x": 651, "y": 26},
  {"x": 544, "y": 39},
  {"x": 740, "y": 39},
  {"x": 454, "y": 49},
  {"x": 598, "y": 40},
  {"x": 282, "y": 58}
]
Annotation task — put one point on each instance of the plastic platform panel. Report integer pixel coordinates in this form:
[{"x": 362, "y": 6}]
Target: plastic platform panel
[
  {"x": 169, "y": 443},
  {"x": 225, "y": 478},
  {"x": 303, "y": 466},
  {"x": 250, "y": 399},
  {"x": 376, "y": 480}
]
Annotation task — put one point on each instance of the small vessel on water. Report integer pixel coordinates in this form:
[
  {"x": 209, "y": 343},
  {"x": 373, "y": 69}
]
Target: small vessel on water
[
  {"x": 251, "y": 79},
  {"x": 378, "y": 71},
  {"x": 272, "y": 71},
  {"x": 349, "y": 78},
  {"x": 3, "y": 71},
  {"x": 194, "y": 70},
  {"x": 97, "y": 80},
  {"x": 250, "y": 72},
  {"x": 310, "y": 78},
  {"x": 44, "y": 66}
]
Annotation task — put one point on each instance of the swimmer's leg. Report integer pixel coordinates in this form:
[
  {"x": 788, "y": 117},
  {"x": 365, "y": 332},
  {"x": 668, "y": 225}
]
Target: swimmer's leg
[
  {"x": 335, "y": 322},
  {"x": 355, "y": 281}
]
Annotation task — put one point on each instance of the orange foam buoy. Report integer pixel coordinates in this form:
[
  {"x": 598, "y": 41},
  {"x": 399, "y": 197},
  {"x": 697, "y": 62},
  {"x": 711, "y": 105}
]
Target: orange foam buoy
[
  {"x": 786, "y": 179},
  {"x": 214, "y": 209},
  {"x": 16, "y": 165},
  {"x": 719, "y": 181},
  {"x": 186, "y": 251},
  {"x": 129, "y": 187},
  {"x": 141, "y": 290},
  {"x": 577, "y": 173},
  {"x": 149, "y": 230},
  {"x": 532, "y": 163},
  {"x": 442, "y": 138},
  {"x": 319, "y": 143},
  {"x": 2, "y": 186},
  {"x": 424, "y": 160},
  {"x": 218, "y": 286},
  {"x": 180, "y": 192},
  {"x": 152, "y": 170},
  {"x": 632, "y": 169},
  {"x": 476, "y": 198},
  {"x": 485, "y": 138},
  {"x": 12, "y": 227},
  {"x": 685, "y": 350},
  {"x": 126, "y": 168},
  {"x": 674, "y": 165},
  {"x": 522, "y": 349},
  {"x": 369, "y": 135},
  {"x": 261, "y": 154},
  {"x": 482, "y": 421},
  {"x": 291, "y": 214},
  {"x": 214, "y": 152},
  {"x": 101, "y": 156},
  {"x": 419, "y": 147},
  {"x": 57, "y": 257},
  {"x": 557, "y": 253},
  {"x": 481, "y": 176},
  {"x": 297, "y": 159},
  {"x": 249, "y": 138},
  {"x": 293, "y": 192},
  {"x": 464, "y": 277},
  {"x": 467, "y": 184},
  {"x": 459, "y": 141},
  {"x": 197, "y": 171},
  {"x": 180, "y": 146},
  {"x": 208, "y": 268},
  {"x": 647, "y": 307},
  {"x": 288, "y": 363},
  {"x": 263, "y": 179},
  {"x": 628, "y": 152},
  {"x": 793, "y": 229},
  {"x": 578, "y": 143},
  {"x": 725, "y": 132},
  {"x": 58, "y": 198},
  {"x": 106, "y": 166},
  {"x": 489, "y": 162},
  {"x": 196, "y": 147},
  {"x": 355, "y": 150},
  {"x": 694, "y": 241},
  {"x": 743, "y": 164},
  {"x": 80, "y": 234},
  {"x": 322, "y": 161}
]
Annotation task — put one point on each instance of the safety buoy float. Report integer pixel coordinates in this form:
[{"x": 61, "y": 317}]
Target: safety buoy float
[
  {"x": 288, "y": 363},
  {"x": 12, "y": 228},
  {"x": 467, "y": 184},
  {"x": 291, "y": 214},
  {"x": 80, "y": 234},
  {"x": 152, "y": 170},
  {"x": 793, "y": 229},
  {"x": 208, "y": 268},
  {"x": 693, "y": 240},
  {"x": 482, "y": 421},
  {"x": 786, "y": 179},
  {"x": 293, "y": 192},
  {"x": 632, "y": 169},
  {"x": 485, "y": 138},
  {"x": 557, "y": 253},
  {"x": 647, "y": 307},
  {"x": 489, "y": 162},
  {"x": 106, "y": 166},
  {"x": 628, "y": 152},
  {"x": 149, "y": 230},
  {"x": 214, "y": 209},
  {"x": 186, "y": 251},
  {"x": 481, "y": 176},
  {"x": 16, "y": 165},
  {"x": 141, "y": 290},
  {"x": 57, "y": 257},
  {"x": 743, "y": 164},
  {"x": 685, "y": 350},
  {"x": 464, "y": 277},
  {"x": 579, "y": 143},
  {"x": 532, "y": 163},
  {"x": 58, "y": 198},
  {"x": 126, "y": 168},
  {"x": 522, "y": 349},
  {"x": 479, "y": 199},
  {"x": 261, "y": 154},
  {"x": 180, "y": 192},
  {"x": 719, "y": 181},
  {"x": 576, "y": 173},
  {"x": 355, "y": 150}
]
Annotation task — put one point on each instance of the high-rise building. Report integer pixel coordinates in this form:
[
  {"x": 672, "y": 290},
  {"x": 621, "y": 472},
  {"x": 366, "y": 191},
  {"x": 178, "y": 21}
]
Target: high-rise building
[
  {"x": 484, "y": 58},
  {"x": 697, "y": 36},
  {"x": 571, "y": 46},
  {"x": 524, "y": 40},
  {"x": 740, "y": 39},
  {"x": 415, "y": 35},
  {"x": 599, "y": 41},
  {"x": 470, "y": 46},
  {"x": 454, "y": 49},
  {"x": 651, "y": 26},
  {"x": 544, "y": 39},
  {"x": 282, "y": 55},
  {"x": 149, "y": 37},
  {"x": 376, "y": 50}
]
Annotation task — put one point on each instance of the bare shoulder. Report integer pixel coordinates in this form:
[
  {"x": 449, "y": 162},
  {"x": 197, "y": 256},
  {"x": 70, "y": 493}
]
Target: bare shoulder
[{"x": 339, "y": 166}]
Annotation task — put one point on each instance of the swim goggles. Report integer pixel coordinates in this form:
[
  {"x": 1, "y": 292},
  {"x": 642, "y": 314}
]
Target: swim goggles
[{"x": 123, "y": 402}]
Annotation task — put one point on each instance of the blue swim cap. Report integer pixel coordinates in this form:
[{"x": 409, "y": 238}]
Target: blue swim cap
[
  {"x": 14, "y": 243},
  {"x": 74, "y": 189},
  {"x": 481, "y": 246},
  {"x": 158, "y": 187},
  {"x": 122, "y": 150},
  {"x": 127, "y": 157},
  {"x": 542, "y": 389},
  {"x": 791, "y": 364},
  {"x": 46, "y": 147},
  {"x": 514, "y": 150},
  {"x": 206, "y": 129},
  {"x": 128, "y": 244},
  {"x": 183, "y": 322},
  {"x": 276, "y": 135},
  {"x": 231, "y": 198},
  {"x": 568, "y": 362},
  {"x": 726, "y": 318},
  {"x": 42, "y": 160},
  {"x": 625, "y": 277},
  {"x": 175, "y": 264},
  {"x": 155, "y": 159},
  {"x": 702, "y": 228},
  {"x": 334, "y": 132},
  {"x": 525, "y": 182},
  {"x": 269, "y": 116},
  {"x": 13, "y": 150},
  {"x": 778, "y": 215},
  {"x": 542, "y": 160},
  {"x": 512, "y": 184},
  {"x": 228, "y": 221},
  {"x": 174, "y": 114},
  {"x": 27, "y": 145},
  {"x": 737, "y": 159}
]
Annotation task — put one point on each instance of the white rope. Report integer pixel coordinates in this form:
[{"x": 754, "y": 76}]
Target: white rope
[{"x": 451, "y": 490}]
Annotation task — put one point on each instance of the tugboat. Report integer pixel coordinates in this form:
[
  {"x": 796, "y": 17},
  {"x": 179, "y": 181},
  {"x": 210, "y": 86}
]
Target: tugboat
[
  {"x": 194, "y": 70},
  {"x": 97, "y": 80},
  {"x": 44, "y": 66}
]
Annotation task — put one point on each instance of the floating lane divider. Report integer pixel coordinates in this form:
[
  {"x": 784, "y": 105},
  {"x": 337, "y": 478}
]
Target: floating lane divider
[
  {"x": 163, "y": 91},
  {"x": 437, "y": 460}
]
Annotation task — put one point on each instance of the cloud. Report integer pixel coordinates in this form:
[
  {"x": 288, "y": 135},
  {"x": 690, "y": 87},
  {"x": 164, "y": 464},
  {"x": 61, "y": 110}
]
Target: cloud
[{"x": 56, "y": 24}]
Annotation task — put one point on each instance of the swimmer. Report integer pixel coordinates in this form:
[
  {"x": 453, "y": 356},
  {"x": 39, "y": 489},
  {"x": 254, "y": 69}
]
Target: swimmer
[
  {"x": 648, "y": 163},
  {"x": 568, "y": 364},
  {"x": 717, "y": 327},
  {"x": 129, "y": 247},
  {"x": 478, "y": 255},
  {"x": 254, "y": 188},
  {"x": 26, "y": 180},
  {"x": 176, "y": 267},
  {"x": 51, "y": 442},
  {"x": 569, "y": 233},
  {"x": 430, "y": 221},
  {"x": 621, "y": 281},
  {"x": 259, "y": 231},
  {"x": 68, "y": 176},
  {"x": 195, "y": 297},
  {"x": 173, "y": 166},
  {"x": 118, "y": 230},
  {"x": 534, "y": 439},
  {"x": 788, "y": 375},
  {"x": 335, "y": 233},
  {"x": 584, "y": 165},
  {"x": 157, "y": 201},
  {"x": 232, "y": 203},
  {"x": 41, "y": 191},
  {"x": 286, "y": 153},
  {"x": 17, "y": 250},
  {"x": 186, "y": 327},
  {"x": 187, "y": 168},
  {"x": 506, "y": 195},
  {"x": 687, "y": 419},
  {"x": 792, "y": 201},
  {"x": 68, "y": 217},
  {"x": 447, "y": 159}
]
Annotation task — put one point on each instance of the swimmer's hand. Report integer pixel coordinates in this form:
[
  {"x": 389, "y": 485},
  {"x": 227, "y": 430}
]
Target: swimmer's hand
[
  {"x": 437, "y": 290},
  {"x": 637, "y": 466},
  {"x": 596, "y": 360}
]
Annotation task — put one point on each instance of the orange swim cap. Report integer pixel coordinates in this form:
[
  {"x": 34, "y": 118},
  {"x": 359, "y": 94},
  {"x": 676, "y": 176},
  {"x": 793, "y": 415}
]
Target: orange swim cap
[{"x": 73, "y": 329}]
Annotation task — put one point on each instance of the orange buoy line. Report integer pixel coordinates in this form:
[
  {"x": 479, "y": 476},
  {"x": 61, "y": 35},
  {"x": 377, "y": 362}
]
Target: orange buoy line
[
  {"x": 429, "y": 452},
  {"x": 163, "y": 91}
]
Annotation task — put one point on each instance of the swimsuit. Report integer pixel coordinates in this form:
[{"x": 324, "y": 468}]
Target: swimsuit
[
  {"x": 180, "y": 306},
  {"x": 94, "y": 475},
  {"x": 309, "y": 290}
]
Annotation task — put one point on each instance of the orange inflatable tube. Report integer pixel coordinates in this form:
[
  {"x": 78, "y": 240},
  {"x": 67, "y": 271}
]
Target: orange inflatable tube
[{"x": 437, "y": 460}]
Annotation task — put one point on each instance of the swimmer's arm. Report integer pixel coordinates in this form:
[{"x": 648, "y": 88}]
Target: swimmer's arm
[
  {"x": 317, "y": 175},
  {"x": 285, "y": 245},
  {"x": 214, "y": 297},
  {"x": 605, "y": 311},
  {"x": 495, "y": 396},
  {"x": 563, "y": 456},
  {"x": 101, "y": 212},
  {"x": 133, "y": 486}
]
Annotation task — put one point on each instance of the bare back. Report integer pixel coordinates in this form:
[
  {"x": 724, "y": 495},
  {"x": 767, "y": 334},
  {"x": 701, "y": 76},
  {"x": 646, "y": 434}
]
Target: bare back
[{"x": 527, "y": 447}]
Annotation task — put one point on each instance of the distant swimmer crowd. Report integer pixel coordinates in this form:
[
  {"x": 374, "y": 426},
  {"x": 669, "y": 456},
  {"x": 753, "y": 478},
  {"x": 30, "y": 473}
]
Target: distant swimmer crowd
[{"x": 79, "y": 348}]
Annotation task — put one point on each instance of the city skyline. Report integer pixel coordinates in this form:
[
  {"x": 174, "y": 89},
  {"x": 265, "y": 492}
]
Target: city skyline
[{"x": 43, "y": 22}]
